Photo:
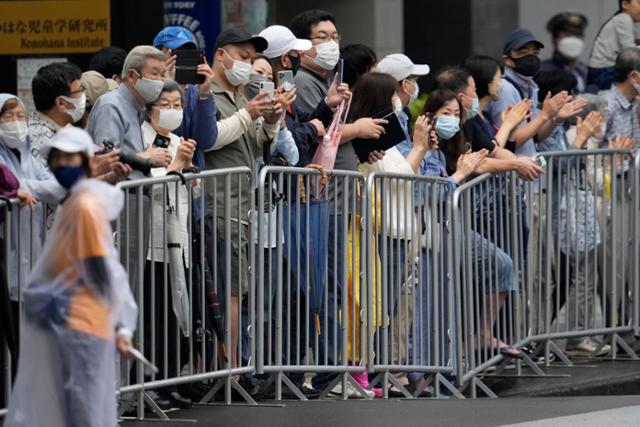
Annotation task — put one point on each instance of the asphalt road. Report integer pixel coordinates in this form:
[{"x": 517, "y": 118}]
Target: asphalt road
[{"x": 535, "y": 412}]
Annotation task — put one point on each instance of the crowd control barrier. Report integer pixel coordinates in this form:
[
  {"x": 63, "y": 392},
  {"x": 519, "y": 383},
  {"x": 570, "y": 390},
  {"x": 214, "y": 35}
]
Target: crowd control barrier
[{"x": 317, "y": 283}]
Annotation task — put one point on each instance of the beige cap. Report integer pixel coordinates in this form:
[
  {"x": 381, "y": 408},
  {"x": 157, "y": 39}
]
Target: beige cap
[
  {"x": 95, "y": 85},
  {"x": 112, "y": 84}
]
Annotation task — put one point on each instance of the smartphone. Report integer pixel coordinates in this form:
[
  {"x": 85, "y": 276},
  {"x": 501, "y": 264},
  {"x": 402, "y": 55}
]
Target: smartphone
[
  {"x": 285, "y": 80},
  {"x": 269, "y": 88},
  {"x": 540, "y": 161},
  {"x": 161, "y": 141},
  {"x": 187, "y": 61},
  {"x": 341, "y": 71}
]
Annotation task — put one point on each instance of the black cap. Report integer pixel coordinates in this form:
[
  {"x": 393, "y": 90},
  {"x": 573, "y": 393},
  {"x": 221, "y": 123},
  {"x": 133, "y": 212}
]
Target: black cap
[
  {"x": 239, "y": 35},
  {"x": 518, "y": 38},
  {"x": 570, "y": 22}
]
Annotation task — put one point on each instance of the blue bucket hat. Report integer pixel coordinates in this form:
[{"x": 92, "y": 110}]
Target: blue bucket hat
[{"x": 175, "y": 37}]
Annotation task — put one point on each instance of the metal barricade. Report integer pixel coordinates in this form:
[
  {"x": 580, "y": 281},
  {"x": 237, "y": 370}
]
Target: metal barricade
[
  {"x": 311, "y": 284},
  {"x": 584, "y": 271},
  {"x": 184, "y": 240},
  {"x": 411, "y": 311},
  {"x": 22, "y": 234},
  {"x": 489, "y": 219}
]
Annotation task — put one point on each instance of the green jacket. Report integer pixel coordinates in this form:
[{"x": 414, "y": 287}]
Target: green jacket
[{"x": 241, "y": 152}]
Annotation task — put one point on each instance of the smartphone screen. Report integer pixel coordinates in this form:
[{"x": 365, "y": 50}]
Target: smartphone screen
[{"x": 161, "y": 141}]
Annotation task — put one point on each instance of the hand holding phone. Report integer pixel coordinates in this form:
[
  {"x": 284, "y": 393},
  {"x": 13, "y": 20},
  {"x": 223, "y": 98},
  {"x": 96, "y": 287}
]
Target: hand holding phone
[
  {"x": 187, "y": 62},
  {"x": 268, "y": 88},
  {"x": 285, "y": 80}
]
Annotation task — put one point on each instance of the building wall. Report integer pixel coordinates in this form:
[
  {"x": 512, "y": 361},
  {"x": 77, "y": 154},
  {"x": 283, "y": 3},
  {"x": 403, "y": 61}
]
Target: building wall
[
  {"x": 376, "y": 23},
  {"x": 534, "y": 15}
]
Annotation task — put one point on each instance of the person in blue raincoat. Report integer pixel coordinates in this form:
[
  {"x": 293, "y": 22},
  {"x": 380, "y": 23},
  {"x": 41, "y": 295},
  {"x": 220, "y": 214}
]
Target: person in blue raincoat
[
  {"x": 15, "y": 153},
  {"x": 78, "y": 305}
]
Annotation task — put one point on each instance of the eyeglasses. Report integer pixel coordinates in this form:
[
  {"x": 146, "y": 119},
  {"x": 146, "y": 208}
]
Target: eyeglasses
[
  {"x": 325, "y": 37},
  {"x": 81, "y": 90}
]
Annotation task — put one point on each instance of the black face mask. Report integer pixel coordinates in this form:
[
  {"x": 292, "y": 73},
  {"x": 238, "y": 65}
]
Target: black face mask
[
  {"x": 295, "y": 63},
  {"x": 528, "y": 65}
]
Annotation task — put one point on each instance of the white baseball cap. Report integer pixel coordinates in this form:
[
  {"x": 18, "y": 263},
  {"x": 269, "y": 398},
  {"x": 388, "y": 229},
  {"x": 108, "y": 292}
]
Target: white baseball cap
[
  {"x": 70, "y": 139},
  {"x": 399, "y": 66},
  {"x": 281, "y": 40}
]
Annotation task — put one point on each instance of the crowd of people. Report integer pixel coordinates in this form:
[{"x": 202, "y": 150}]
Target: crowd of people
[{"x": 486, "y": 115}]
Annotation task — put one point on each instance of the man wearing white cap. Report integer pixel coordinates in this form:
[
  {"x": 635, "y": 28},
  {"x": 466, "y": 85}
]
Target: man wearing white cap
[
  {"x": 406, "y": 73},
  {"x": 284, "y": 54},
  {"x": 77, "y": 305}
]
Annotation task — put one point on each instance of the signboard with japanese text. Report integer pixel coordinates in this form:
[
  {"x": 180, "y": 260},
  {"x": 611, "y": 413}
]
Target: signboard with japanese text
[{"x": 31, "y": 27}]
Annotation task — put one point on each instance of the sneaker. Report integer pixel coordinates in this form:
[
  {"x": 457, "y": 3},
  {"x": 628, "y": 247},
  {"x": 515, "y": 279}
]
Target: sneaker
[
  {"x": 587, "y": 347},
  {"x": 363, "y": 380},
  {"x": 352, "y": 392}
]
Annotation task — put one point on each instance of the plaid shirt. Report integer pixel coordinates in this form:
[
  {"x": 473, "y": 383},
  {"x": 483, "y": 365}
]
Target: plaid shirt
[
  {"x": 41, "y": 131},
  {"x": 622, "y": 116},
  {"x": 622, "y": 119}
]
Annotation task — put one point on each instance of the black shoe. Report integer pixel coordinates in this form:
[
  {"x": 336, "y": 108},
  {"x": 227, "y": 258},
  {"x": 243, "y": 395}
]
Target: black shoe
[
  {"x": 162, "y": 400},
  {"x": 287, "y": 394},
  {"x": 256, "y": 387},
  {"x": 426, "y": 393},
  {"x": 176, "y": 399},
  {"x": 196, "y": 391}
]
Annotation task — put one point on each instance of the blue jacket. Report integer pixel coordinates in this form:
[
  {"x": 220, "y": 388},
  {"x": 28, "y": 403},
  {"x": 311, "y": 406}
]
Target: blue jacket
[
  {"x": 199, "y": 123},
  {"x": 304, "y": 133}
]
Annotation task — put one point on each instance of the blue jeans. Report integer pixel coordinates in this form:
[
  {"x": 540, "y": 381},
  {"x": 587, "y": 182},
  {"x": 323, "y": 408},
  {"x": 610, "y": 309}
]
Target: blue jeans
[{"x": 330, "y": 340}]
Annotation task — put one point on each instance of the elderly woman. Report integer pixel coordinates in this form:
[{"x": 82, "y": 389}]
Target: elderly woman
[
  {"x": 15, "y": 153},
  {"x": 573, "y": 207},
  {"x": 170, "y": 205}
]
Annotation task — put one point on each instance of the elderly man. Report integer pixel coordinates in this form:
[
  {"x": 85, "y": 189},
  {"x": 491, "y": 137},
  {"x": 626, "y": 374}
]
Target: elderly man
[
  {"x": 622, "y": 131},
  {"x": 118, "y": 115}
]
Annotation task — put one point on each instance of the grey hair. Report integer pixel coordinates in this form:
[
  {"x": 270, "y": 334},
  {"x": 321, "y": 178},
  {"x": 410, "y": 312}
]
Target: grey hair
[
  {"x": 596, "y": 103},
  {"x": 167, "y": 86},
  {"x": 137, "y": 56}
]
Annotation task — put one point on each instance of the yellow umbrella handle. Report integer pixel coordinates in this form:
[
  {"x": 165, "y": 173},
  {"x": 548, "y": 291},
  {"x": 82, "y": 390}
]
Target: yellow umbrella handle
[{"x": 317, "y": 317}]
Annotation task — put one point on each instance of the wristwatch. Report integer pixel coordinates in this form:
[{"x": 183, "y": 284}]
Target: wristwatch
[{"x": 206, "y": 95}]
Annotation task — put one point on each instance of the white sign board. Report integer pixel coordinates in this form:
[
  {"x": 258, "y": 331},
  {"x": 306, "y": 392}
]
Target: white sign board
[{"x": 27, "y": 69}]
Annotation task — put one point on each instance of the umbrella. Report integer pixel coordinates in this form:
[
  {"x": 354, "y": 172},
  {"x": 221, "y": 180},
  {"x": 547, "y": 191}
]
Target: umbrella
[{"x": 308, "y": 223}]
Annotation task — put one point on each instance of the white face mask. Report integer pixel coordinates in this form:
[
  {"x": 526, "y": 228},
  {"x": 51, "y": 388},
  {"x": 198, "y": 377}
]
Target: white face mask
[
  {"x": 79, "y": 105},
  {"x": 148, "y": 89},
  {"x": 499, "y": 90},
  {"x": 170, "y": 118},
  {"x": 571, "y": 47},
  {"x": 239, "y": 73},
  {"x": 416, "y": 91},
  {"x": 327, "y": 55},
  {"x": 397, "y": 105},
  {"x": 15, "y": 133}
]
